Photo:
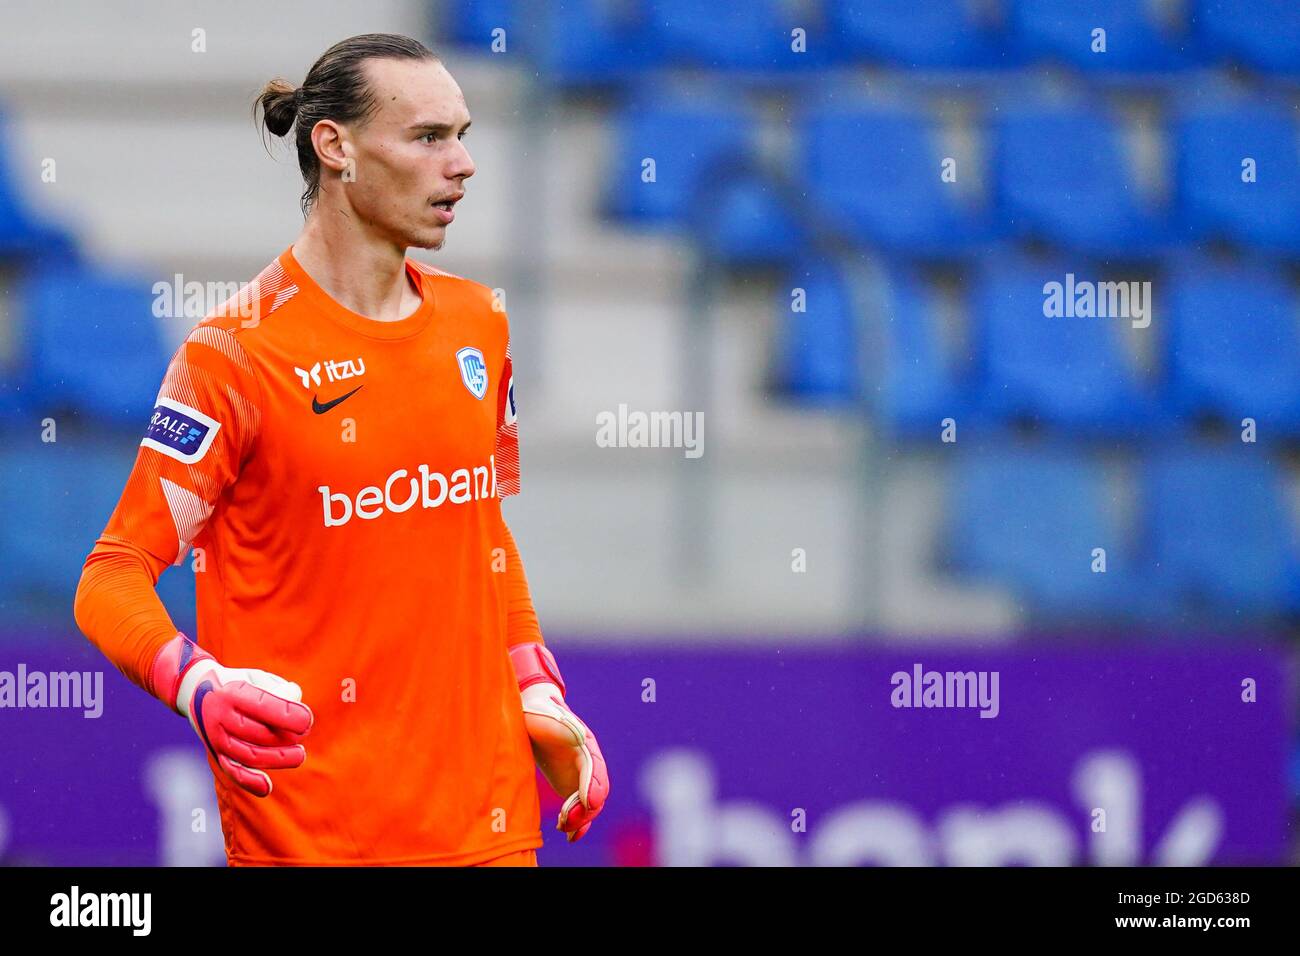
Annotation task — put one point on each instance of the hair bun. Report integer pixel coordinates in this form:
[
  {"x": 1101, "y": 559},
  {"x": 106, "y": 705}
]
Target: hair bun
[{"x": 279, "y": 102}]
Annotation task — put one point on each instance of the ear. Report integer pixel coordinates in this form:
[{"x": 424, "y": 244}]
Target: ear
[{"x": 333, "y": 150}]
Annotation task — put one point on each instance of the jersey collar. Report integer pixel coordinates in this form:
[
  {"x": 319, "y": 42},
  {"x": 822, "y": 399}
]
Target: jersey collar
[{"x": 413, "y": 324}]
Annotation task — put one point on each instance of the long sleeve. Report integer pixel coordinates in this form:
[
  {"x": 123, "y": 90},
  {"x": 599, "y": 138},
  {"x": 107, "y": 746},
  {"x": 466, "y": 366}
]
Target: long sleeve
[
  {"x": 204, "y": 423},
  {"x": 521, "y": 621},
  {"x": 118, "y": 609}
]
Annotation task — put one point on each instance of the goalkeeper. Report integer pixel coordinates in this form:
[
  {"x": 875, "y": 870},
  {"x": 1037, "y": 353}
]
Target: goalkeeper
[{"x": 369, "y": 680}]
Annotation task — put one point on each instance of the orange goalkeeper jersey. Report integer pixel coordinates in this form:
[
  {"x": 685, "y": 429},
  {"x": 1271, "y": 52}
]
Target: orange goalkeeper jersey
[{"x": 339, "y": 481}]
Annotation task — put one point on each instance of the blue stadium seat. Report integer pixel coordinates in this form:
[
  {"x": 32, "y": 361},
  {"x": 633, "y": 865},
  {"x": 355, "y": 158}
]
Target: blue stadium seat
[
  {"x": 595, "y": 43},
  {"x": 23, "y": 236},
  {"x": 1029, "y": 518},
  {"x": 818, "y": 349},
  {"x": 92, "y": 345},
  {"x": 874, "y": 175},
  {"x": 937, "y": 33},
  {"x": 1062, "y": 371},
  {"x": 13, "y": 395},
  {"x": 1264, "y": 34},
  {"x": 1233, "y": 345},
  {"x": 1062, "y": 30},
  {"x": 910, "y": 382},
  {"x": 471, "y": 22},
  {"x": 59, "y": 497},
  {"x": 1220, "y": 531},
  {"x": 748, "y": 220},
  {"x": 571, "y": 43},
  {"x": 1062, "y": 176},
  {"x": 753, "y": 38},
  {"x": 1213, "y": 144},
  {"x": 694, "y": 144},
  {"x": 874, "y": 339}
]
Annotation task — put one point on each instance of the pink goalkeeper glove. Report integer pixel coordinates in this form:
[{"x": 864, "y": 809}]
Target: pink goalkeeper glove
[
  {"x": 250, "y": 721},
  {"x": 564, "y": 748}
]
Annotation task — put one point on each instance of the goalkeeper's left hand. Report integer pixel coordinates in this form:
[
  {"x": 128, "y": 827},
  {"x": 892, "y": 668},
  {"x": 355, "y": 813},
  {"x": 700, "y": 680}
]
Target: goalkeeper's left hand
[{"x": 564, "y": 747}]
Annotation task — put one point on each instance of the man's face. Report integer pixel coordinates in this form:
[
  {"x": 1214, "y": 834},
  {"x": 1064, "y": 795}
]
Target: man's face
[{"x": 409, "y": 155}]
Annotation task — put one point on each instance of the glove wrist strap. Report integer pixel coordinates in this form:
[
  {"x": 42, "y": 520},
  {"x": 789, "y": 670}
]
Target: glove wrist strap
[
  {"x": 173, "y": 661},
  {"x": 534, "y": 664}
]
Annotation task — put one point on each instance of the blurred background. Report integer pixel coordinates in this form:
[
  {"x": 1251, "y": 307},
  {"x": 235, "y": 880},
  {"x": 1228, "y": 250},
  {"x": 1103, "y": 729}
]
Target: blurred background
[{"x": 830, "y": 229}]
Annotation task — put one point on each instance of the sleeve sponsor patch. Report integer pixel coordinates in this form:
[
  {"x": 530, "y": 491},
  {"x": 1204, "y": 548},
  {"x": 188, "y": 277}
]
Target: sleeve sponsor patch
[{"x": 179, "y": 431}]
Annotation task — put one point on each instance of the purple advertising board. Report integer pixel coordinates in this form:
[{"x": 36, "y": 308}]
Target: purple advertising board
[{"x": 777, "y": 755}]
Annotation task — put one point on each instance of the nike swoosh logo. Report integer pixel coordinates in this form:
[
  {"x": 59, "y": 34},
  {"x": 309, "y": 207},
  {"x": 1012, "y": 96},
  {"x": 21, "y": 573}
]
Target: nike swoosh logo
[
  {"x": 320, "y": 409},
  {"x": 197, "y": 710}
]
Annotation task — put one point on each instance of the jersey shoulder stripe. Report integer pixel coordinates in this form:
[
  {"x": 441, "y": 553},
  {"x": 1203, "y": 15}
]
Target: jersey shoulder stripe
[
  {"x": 255, "y": 302},
  {"x": 476, "y": 290},
  {"x": 222, "y": 340},
  {"x": 429, "y": 270}
]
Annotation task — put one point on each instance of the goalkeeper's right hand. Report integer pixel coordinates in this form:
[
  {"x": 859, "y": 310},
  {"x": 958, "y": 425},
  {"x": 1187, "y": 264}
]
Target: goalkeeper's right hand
[{"x": 250, "y": 721}]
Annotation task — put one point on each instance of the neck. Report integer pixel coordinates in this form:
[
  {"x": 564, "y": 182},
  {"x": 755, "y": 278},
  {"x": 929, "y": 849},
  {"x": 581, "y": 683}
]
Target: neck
[{"x": 360, "y": 271}]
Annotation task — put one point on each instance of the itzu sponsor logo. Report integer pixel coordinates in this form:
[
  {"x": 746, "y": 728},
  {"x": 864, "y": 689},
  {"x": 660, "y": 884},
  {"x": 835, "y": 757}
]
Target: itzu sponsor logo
[
  {"x": 334, "y": 371},
  {"x": 431, "y": 489},
  {"x": 1085, "y": 299}
]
